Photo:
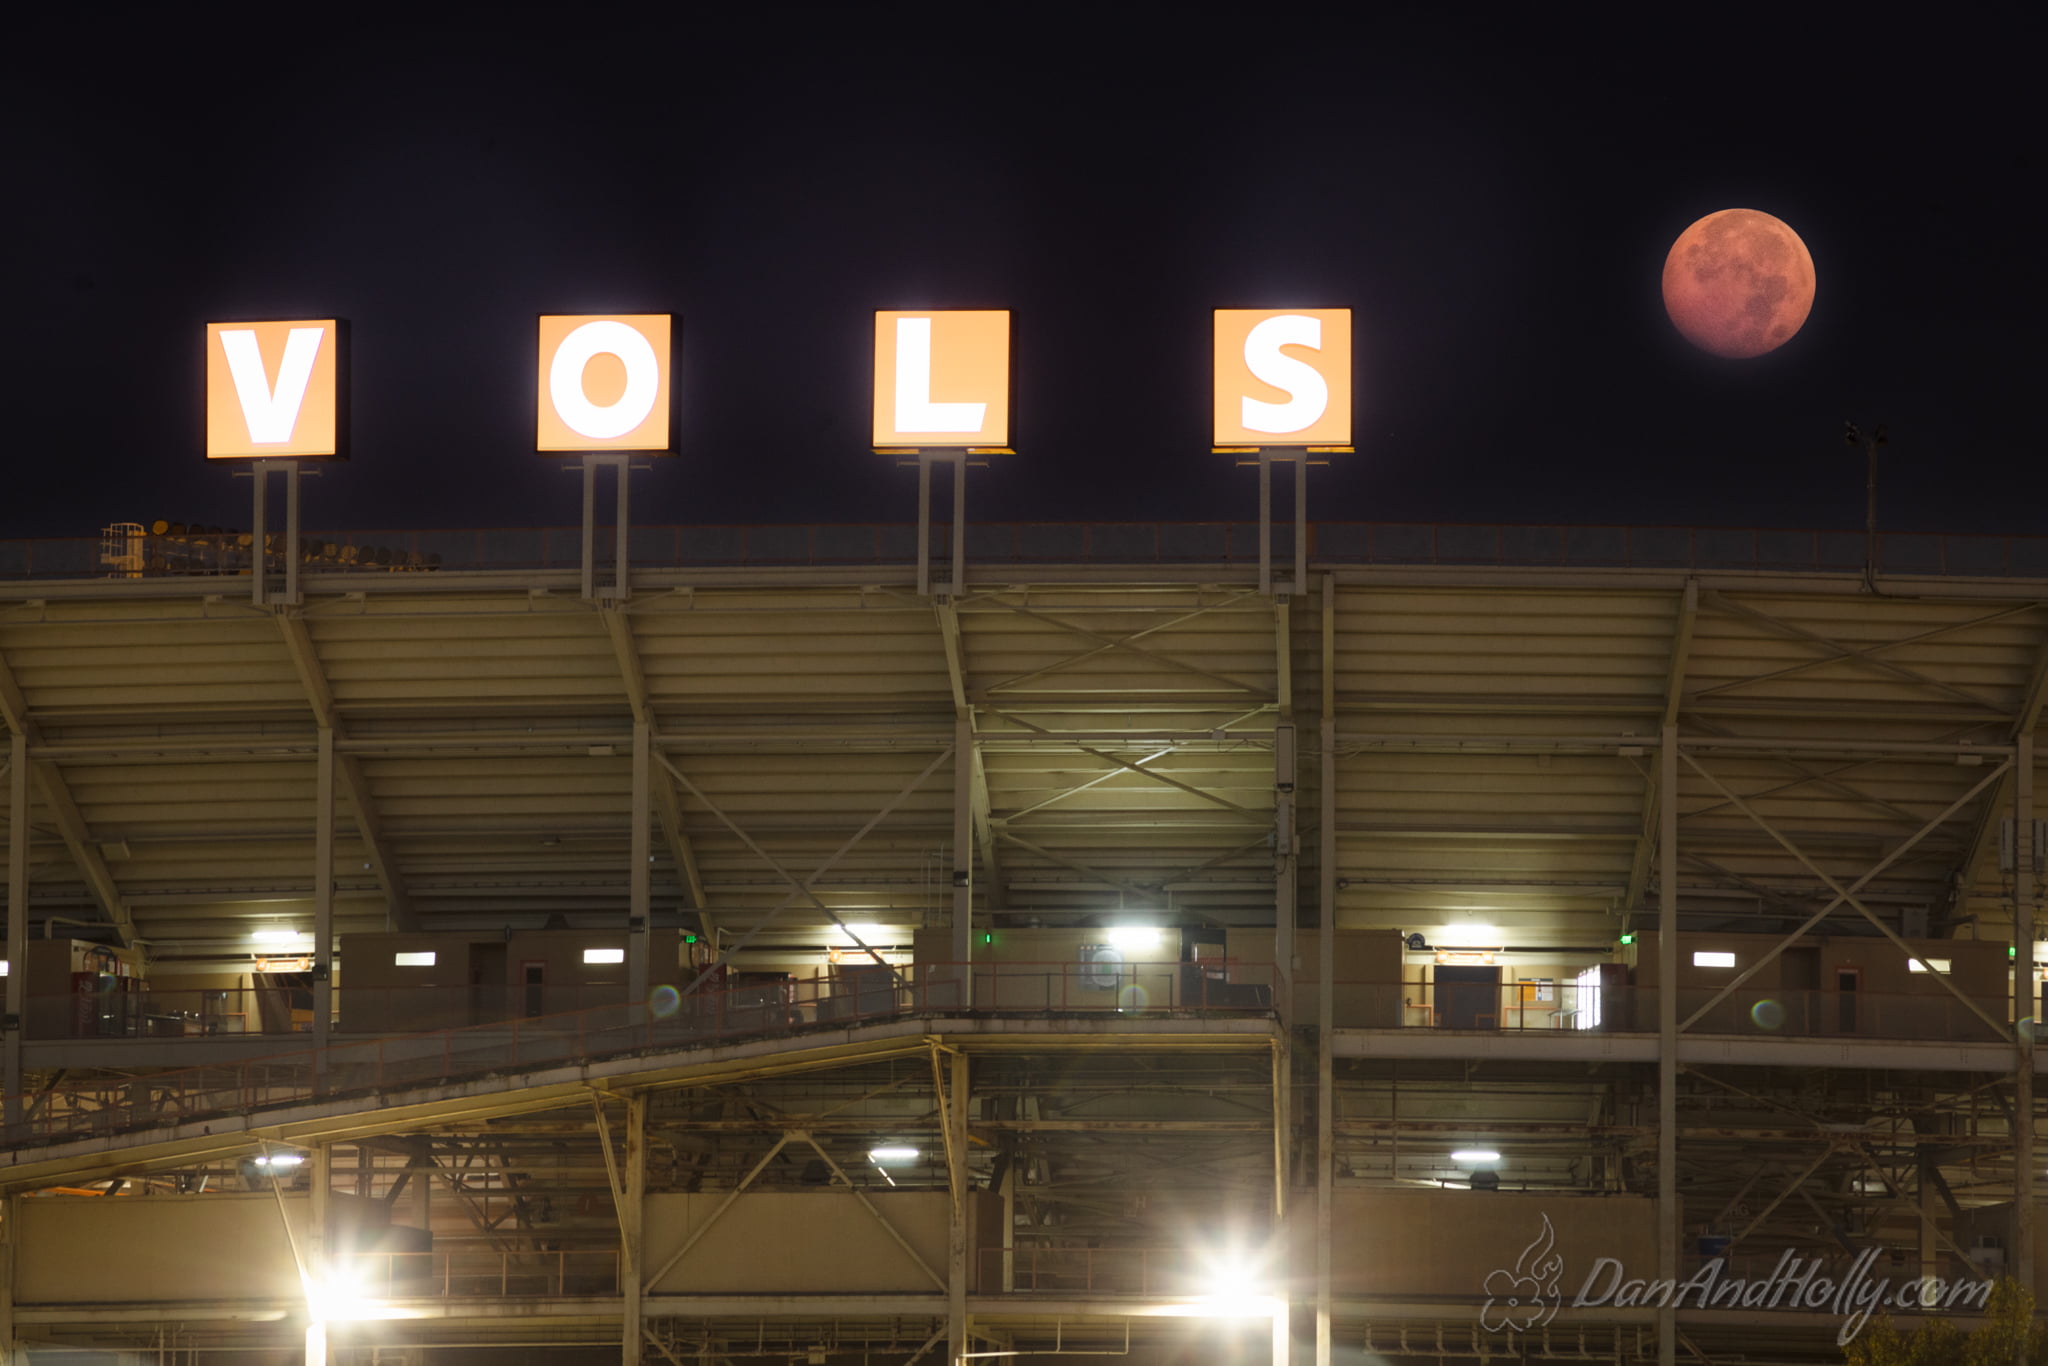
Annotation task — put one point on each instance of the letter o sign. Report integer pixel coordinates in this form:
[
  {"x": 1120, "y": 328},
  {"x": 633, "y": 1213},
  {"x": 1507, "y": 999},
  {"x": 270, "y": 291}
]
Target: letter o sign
[{"x": 604, "y": 382}]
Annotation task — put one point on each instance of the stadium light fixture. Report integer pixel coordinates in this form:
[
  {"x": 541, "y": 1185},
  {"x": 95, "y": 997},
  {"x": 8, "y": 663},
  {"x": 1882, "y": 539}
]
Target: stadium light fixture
[
  {"x": 1475, "y": 1157},
  {"x": 892, "y": 1154}
]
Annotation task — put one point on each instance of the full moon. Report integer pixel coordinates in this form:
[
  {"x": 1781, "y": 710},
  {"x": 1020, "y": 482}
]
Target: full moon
[{"x": 1738, "y": 283}]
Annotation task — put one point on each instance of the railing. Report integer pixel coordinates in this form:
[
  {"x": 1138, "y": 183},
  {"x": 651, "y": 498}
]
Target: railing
[
  {"x": 667, "y": 1021},
  {"x": 1046, "y": 1270},
  {"x": 474, "y": 1272},
  {"x": 511, "y": 1039},
  {"x": 208, "y": 553},
  {"x": 1416, "y": 1002}
]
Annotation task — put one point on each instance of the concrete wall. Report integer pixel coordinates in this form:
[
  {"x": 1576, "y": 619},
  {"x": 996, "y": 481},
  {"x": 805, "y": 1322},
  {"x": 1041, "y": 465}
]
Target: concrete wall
[
  {"x": 1367, "y": 973},
  {"x": 1431, "y": 1243},
  {"x": 171, "y": 1247},
  {"x": 1799, "y": 988},
  {"x": 1044, "y": 970}
]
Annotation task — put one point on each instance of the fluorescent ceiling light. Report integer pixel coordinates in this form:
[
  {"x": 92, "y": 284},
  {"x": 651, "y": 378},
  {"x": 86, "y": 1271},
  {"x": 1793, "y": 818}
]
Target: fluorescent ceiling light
[
  {"x": 1941, "y": 965},
  {"x": 883, "y": 1156},
  {"x": 281, "y": 1161},
  {"x": 1707, "y": 958},
  {"x": 1136, "y": 936},
  {"x": 604, "y": 955},
  {"x": 423, "y": 959},
  {"x": 1473, "y": 1157}
]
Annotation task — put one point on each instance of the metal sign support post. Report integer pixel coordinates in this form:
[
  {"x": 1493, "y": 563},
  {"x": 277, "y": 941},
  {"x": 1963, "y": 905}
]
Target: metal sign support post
[
  {"x": 620, "y": 588},
  {"x": 1265, "y": 457},
  {"x": 259, "y": 552},
  {"x": 959, "y": 459}
]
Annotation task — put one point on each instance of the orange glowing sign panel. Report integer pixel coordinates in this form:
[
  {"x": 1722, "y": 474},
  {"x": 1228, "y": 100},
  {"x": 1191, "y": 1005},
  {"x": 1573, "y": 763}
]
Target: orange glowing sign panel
[
  {"x": 942, "y": 378},
  {"x": 274, "y": 389},
  {"x": 1283, "y": 376},
  {"x": 604, "y": 382}
]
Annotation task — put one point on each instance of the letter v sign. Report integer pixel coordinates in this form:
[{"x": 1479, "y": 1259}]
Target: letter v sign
[{"x": 272, "y": 388}]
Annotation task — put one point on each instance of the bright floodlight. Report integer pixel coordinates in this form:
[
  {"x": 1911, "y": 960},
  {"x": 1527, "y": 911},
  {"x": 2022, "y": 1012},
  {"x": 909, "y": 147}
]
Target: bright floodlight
[
  {"x": 1473, "y": 1157},
  {"x": 604, "y": 955},
  {"x": 1129, "y": 937},
  {"x": 883, "y": 1156},
  {"x": 281, "y": 1161},
  {"x": 1233, "y": 1287}
]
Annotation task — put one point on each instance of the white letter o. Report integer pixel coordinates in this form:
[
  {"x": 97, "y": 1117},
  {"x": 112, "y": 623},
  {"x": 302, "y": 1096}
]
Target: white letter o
[{"x": 565, "y": 380}]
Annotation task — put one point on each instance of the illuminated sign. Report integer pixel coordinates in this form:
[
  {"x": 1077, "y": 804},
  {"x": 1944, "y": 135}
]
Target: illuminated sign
[
  {"x": 942, "y": 379},
  {"x": 1283, "y": 377},
  {"x": 275, "y": 389},
  {"x": 604, "y": 382}
]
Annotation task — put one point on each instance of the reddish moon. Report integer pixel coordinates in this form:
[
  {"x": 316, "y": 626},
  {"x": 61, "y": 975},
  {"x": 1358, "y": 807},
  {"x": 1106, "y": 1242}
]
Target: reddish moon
[{"x": 1738, "y": 283}]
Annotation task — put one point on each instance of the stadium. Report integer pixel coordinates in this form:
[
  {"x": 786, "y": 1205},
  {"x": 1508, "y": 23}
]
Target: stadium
[{"x": 841, "y": 944}]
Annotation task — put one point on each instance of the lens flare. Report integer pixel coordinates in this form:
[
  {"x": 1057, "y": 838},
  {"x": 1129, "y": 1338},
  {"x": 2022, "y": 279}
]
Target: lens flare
[
  {"x": 664, "y": 1001},
  {"x": 1767, "y": 1014},
  {"x": 1132, "y": 997}
]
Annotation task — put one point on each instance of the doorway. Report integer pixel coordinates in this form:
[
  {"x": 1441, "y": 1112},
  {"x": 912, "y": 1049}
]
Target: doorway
[
  {"x": 1468, "y": 998},
  {"x": 533, "y": 983},
  {"x": 1848, "y": 1005}
]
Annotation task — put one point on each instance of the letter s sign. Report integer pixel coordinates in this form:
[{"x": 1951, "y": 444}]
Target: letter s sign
[{"x": 1283, "y": 377}]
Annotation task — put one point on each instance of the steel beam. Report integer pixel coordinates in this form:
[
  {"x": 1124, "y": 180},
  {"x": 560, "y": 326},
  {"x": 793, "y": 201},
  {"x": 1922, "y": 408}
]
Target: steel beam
[
  {"x": 2026, "y": 1026},
  {"x": 369, "y": 828},
  {"x": 639, "y": 898},
  {"x": 1668, "y": 1214},
  {"x": 1326, "y": 976},
  {"x": 626, "y": 651},
  {"x": 963, "y": 711},
  {"x": 323, "y": 895},
  {"x": 17, "y": 926}
]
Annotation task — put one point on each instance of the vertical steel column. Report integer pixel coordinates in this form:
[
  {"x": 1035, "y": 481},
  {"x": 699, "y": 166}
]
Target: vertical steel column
[
  {"x": 323, "y": 895},
  {"x": 589, "y": 528},
  {"x": 632, "y": 1214},
  {"x": 10, "y": 1232},
  {"x": 1301, "y": 524},
  {"x": 960, "y": 524},
  {"x": 1265, "y": 524},
  {"x": 622, "y": 534},
  {"x": 963, "y": 858},
  {"x": 17, "y": 916},
  {"x": 2025, "y": 1026},
  {"x": 955, "y": 1119},
  {"x": 291, "y": 531},
  {"x": 924, "y": 525},
  {"x": 1667, "y": 1036},
  {"x": 639, "y": 894},
  {"x": 258, "y": 471},
  {"x": 317, "y": 1272},
  {"x": 1285, "y": 870},
  {"x": 1326, "y": 974}
]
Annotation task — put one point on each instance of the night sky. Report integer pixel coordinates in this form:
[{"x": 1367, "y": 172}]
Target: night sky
[{"x": 1494, "y": 202}]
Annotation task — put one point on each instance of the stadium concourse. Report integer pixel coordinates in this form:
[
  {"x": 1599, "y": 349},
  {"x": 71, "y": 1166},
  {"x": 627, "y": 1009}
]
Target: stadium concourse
[{"x": 1431, "y": 944}]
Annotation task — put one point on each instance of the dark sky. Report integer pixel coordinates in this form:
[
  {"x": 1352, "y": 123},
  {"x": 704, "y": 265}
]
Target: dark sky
[{"x": 1494, "y": 203}]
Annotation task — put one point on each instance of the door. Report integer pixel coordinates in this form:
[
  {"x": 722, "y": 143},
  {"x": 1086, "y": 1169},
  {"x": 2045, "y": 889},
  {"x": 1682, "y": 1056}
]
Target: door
[
  {"x": 1848, "y": 1005},
  {"x": 1468, "y": 998},
  {"x": 1799, "y": 970},
  {"x": 533, "y": 985},
  {"x": 487, "y": 984}
]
